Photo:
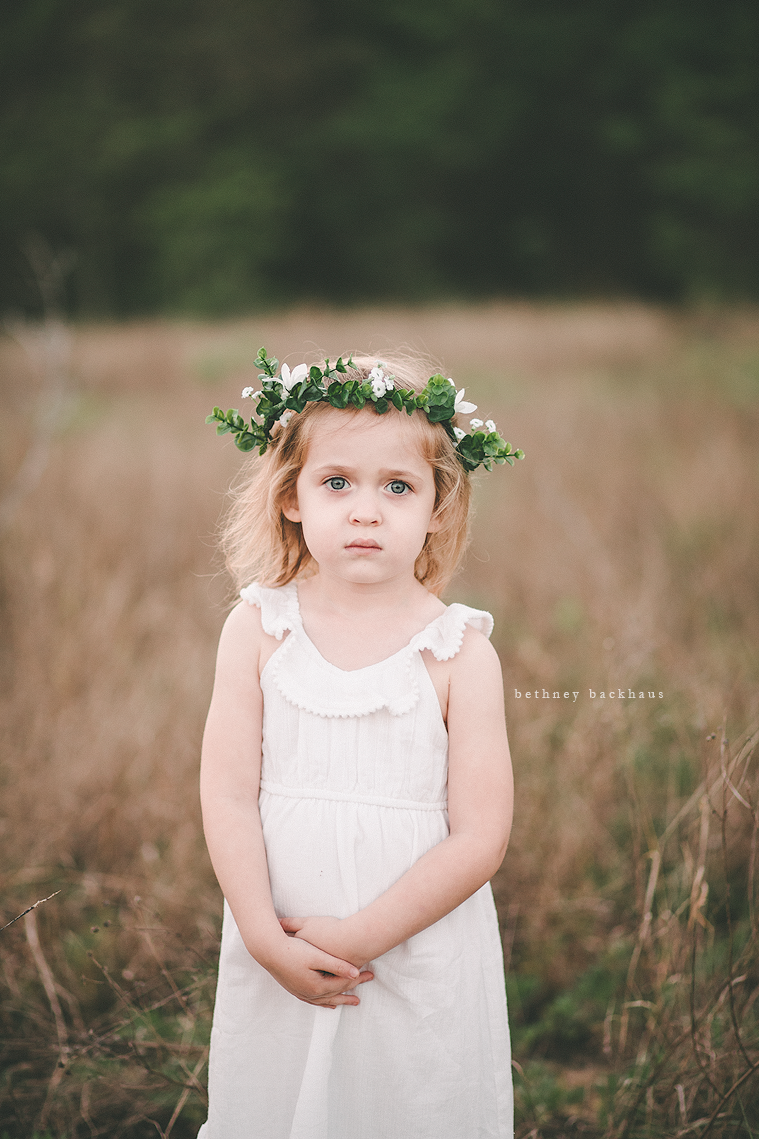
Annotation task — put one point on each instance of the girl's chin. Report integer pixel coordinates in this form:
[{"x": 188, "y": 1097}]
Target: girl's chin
[{"x": 363, "y": 570}]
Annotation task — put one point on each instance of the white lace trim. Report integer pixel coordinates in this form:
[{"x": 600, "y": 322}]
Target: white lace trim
[
  {"x": 309, "y": 682},
  {"x": 312, "y": 684},
  {"x": 279, "y": 607},
  {"x": 445, "y": 635}
]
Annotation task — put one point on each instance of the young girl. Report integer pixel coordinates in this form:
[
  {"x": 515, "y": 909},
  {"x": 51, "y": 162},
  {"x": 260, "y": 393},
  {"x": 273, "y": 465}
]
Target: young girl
[{"x": 356, "y": 781}]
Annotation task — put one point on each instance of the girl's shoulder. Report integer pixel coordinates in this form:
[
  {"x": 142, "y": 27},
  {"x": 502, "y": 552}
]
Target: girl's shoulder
[
  {"x": 253, "y": 629},
  {"x": 242, "y": 644},
  {"x": 457, "y": 645}
]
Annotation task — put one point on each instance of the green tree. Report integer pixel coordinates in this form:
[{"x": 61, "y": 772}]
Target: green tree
[{"x": 208, "y": 156}]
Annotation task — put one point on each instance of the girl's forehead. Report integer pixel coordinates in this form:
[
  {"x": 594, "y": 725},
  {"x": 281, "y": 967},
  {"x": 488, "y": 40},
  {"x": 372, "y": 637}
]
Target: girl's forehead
[{"x": 364, "y": 433}]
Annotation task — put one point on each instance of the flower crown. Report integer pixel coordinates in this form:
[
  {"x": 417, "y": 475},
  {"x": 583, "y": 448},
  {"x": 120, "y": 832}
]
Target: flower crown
[{"x": 281, "y": 395}]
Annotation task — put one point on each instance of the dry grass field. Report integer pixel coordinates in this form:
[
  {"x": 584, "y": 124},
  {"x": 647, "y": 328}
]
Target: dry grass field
[{"x": 620, "y": 561}]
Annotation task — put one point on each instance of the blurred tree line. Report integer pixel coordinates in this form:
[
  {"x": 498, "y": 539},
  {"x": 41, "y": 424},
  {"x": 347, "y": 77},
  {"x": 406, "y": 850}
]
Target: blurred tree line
[{"x": 209, "y": 155}]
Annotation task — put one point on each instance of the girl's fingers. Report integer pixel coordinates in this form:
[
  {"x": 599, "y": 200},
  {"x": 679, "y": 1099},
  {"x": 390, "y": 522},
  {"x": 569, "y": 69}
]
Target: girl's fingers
[
  {"x": 346, "y": 994},
  {"x": 292, "y": 925},
  {"x": 359, "y": 980},
  {"x": 329, "y": 964},
  {"x": 340, "y": 987},
  {"x": 334, "y": 1001}
]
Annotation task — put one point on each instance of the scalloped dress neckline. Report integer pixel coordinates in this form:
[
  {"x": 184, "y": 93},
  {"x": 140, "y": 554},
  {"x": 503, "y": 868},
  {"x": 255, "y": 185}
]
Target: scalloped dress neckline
[{"x": 309, "y": 681}]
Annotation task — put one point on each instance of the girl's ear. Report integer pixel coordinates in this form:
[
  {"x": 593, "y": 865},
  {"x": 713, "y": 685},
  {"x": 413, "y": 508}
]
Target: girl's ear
[
  {"x": 290, "y": 508},
  {"x": 435, "y": 523}
]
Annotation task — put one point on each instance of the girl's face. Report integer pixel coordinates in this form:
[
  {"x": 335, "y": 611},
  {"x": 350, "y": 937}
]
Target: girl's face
[{"x": 364, "y": 497}]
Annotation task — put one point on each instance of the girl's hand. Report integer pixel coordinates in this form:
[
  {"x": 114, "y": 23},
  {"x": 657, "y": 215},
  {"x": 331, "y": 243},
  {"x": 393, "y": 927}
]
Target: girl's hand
[
  {"x": 324, "y": 932},
  {"x": 314, "y": 976}
]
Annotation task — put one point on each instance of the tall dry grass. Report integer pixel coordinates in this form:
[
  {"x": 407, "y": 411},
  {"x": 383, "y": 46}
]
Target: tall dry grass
[{"x": 620, "y": 556}]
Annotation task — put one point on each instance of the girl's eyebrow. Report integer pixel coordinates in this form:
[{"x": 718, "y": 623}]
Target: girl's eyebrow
[
  {"x": 388, "y": 473},
  {"x": 332, "y": 468},
  {"x": 408, "y": 476}
]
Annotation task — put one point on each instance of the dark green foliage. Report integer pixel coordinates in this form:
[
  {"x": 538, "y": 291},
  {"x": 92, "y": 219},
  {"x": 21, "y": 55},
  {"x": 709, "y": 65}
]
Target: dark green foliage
[
  {"x": 216, "y": 156},
  {"x": 567, "y": 1025}
]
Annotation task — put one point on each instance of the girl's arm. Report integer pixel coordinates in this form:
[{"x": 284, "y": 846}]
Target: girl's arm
[
  {"x": 229, "y": 786},
  {"x": 480, "y": 800}
]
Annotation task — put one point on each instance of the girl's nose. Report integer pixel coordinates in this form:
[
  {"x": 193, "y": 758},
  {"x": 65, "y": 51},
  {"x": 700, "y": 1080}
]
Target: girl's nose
[{"x": 365, "y": 510}]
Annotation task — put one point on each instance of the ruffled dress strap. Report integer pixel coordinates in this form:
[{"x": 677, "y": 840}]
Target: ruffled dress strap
[
  {"x": 445, "y": 635},
  {"x": 280, "y": 612}
]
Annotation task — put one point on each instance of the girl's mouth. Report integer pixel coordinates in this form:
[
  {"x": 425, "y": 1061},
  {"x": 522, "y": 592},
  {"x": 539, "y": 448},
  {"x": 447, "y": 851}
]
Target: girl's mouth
[{"x": 363, "y": 544}]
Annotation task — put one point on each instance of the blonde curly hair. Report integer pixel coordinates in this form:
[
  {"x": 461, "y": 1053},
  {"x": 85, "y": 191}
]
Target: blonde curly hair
[{"x": 261, "y": 545}]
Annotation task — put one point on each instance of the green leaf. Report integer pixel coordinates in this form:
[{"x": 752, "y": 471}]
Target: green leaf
[
  {"x": 339, "y": 394},
  {"x": 245, "y": 442},
  {"x": 268, "y": 365}
]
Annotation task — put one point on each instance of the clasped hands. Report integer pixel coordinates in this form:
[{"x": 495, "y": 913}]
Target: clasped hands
[{"x": 309, "y": 971}]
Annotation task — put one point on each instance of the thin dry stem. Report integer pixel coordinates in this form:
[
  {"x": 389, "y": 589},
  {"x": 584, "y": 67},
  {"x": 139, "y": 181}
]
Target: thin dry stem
[
  {"x": 46, "y": 976},
  {"x": 28, "y": 910}
]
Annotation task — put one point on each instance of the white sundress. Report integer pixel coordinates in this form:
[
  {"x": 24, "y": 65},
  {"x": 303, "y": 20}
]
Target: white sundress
[{"x": 353, "y": 792}]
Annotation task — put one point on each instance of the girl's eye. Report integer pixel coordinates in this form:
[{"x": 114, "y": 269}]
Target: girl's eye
[
  {"x": 398, "y": 487},
  {"x": 337, "y": 482}
]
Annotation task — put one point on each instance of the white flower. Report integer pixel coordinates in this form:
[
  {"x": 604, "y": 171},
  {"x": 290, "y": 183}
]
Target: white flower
[
  {"x": 461, "y": 405},
  {"x": 378, "y": 374},
  {"x": 378, "y": 381},
  {"x": 490, "y": 425},
  {"x": 450, "y": 381},
  {"x": 285, "y": 417},
  {"x": 459, "y": 433},
  {"x": 249, "y": 393},
  {"x": 290, "y": 379},
  {"x": 475, "y": 423}
]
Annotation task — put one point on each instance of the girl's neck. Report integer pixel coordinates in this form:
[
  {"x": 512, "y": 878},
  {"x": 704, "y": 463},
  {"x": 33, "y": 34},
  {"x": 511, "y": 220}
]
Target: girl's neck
[
  {"x": 355, "y": 626},
  {"x": 356, "y": 600}
]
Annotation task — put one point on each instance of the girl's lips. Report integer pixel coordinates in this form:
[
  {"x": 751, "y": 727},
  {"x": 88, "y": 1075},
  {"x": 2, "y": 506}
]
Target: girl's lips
[{"x": 358, "y": 544}]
